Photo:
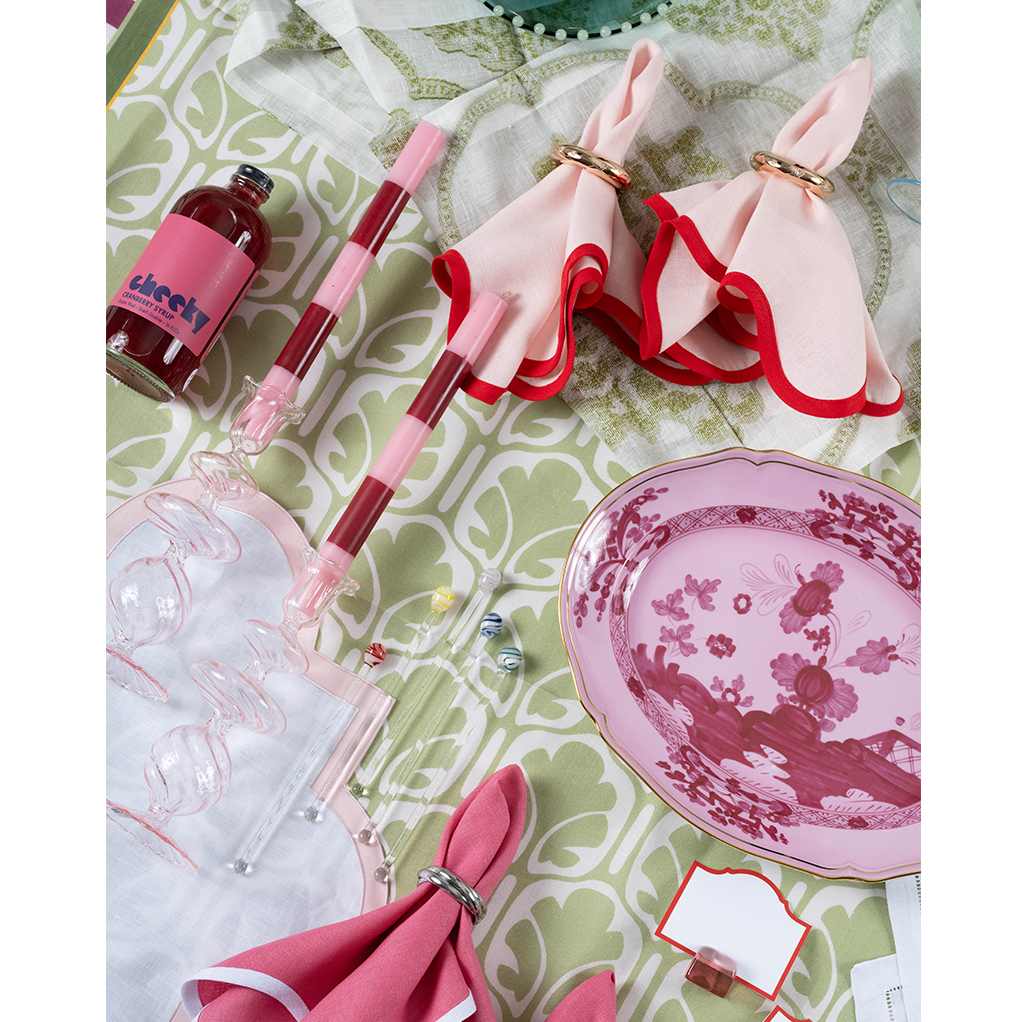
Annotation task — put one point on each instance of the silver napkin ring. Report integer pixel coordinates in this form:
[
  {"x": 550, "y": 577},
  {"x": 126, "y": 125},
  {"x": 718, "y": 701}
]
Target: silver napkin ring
[
  {"x": 458, "y": 889},
  {"x": 606, "y": 170},
  {"x": 815, "y": 183}
]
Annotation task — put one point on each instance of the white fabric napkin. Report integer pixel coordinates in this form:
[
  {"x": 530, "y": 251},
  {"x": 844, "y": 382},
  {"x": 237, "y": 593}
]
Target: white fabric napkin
[{"x": 889, "y": 989}]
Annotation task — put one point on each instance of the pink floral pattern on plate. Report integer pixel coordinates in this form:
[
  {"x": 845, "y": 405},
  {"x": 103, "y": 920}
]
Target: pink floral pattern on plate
[{"x": 770, "y": 642}]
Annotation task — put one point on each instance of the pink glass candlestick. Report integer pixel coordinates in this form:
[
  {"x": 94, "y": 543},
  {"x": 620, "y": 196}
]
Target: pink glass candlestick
[
  {"x": 268, "y": 407},
  {"x": 189, "y": 768},
  {"x": 150, "y": 599}
]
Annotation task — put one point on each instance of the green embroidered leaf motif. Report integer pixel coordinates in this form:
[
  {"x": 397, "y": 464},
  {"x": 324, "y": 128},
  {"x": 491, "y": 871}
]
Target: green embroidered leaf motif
[
  {"x": 301, "y": 32},
  {"x": 491, "y": 41},
  {"x": 911, "y": 381},
  {"x": 419, "y": 87},
  {"x": 792, "y": 24},
  {"x": 610, "y": 389},
  {"x": 683, "y": 161},
  {"x": 663, "y": 167}
]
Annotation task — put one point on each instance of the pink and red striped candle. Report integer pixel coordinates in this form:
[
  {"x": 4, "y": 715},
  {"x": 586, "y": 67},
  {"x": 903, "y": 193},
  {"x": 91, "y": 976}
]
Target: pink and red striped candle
[
  {"x": 391, "y": 466},
  {"x": 321, "y": 578},
  {"x": 354, "y": 260}
]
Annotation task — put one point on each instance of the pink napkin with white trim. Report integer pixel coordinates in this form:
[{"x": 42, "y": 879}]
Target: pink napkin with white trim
[
  {"x": 412, "y": 960},
  {"x": 755, "y": 276},
  {"x": 562, "y": 245},
  {"x": 592, "y": 1001}
]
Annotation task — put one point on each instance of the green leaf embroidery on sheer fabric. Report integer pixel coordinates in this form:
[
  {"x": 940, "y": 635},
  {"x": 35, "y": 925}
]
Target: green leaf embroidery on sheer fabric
[
  {"x": 792, "y": 24},
  {"x": 418, "y": 86},
  {"x": 491, "y": 41},
  {"x": 300, "y": 32},
  {"x": 627, "y": 399}
]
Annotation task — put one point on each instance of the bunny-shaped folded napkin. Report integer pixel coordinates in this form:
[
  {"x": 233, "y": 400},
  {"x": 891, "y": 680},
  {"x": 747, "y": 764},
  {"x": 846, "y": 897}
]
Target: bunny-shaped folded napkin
[
  {"x": 560, "y": 246},
  {"x": 755, "y": 276}
]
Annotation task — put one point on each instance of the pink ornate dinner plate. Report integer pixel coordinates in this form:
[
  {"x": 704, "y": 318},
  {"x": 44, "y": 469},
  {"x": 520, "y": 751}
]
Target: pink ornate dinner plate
[{"x": 744, "y": 628}]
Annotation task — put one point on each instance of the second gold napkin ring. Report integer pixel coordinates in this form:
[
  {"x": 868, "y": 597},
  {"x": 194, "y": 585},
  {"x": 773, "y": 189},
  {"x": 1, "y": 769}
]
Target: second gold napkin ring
[
  {"x": 458, "y": 889},
  {"x": 815, "y": 183},
  {"x": 606, "y": 170}
]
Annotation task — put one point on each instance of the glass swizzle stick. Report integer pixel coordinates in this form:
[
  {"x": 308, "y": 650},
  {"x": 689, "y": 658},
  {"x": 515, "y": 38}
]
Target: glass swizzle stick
[
  {"x": 440, "y": 602},
  {"x": 305, "y": 770},
  {"x": 489, "y": 580}
]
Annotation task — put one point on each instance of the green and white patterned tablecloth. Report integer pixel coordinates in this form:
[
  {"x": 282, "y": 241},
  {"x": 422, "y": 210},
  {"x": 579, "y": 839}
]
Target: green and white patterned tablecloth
[{"x": 504, "y": 486}]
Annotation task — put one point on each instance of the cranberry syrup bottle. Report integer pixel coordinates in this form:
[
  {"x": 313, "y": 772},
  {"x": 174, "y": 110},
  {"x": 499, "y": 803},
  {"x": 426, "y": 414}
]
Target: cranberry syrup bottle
[{"x": 176, "y": 300}]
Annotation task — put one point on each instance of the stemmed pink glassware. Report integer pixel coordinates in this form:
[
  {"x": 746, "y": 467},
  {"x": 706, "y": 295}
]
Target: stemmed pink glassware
[
  {"x": 189, "y": 768},
  {"x": 150, "y": 599}
]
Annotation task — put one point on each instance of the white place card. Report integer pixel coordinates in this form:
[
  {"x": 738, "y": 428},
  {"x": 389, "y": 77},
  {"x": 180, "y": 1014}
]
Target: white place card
[{"x": 740, "y": 914}]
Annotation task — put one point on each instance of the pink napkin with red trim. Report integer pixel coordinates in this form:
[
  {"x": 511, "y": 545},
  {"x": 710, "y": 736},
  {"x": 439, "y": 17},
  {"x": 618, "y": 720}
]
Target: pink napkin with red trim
[
  {"x": 562, "y": 245},
  {"x": 755, "y": 276},
  {"x": 412, "y": 960}
]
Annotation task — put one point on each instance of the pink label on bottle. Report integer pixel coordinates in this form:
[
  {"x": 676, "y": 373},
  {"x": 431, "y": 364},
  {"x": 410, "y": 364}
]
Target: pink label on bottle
[{"x": 188, "y": 280}]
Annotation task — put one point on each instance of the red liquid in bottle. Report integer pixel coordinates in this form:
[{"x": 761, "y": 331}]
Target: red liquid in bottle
[{"x": 156, "y": 361}]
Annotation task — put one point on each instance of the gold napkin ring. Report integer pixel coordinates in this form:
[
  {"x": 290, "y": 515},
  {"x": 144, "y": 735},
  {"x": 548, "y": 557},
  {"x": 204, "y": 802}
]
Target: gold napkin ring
[
  {"x": 458, "y": 889},
  {"x": 815, "y": 183},
  {"x": 606, "y": 170}
]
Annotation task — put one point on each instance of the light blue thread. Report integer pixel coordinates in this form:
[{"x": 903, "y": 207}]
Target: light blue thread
[{"x": 902, "y": 181}]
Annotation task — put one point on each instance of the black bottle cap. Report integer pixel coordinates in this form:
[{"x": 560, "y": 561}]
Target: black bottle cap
[{"x": 257, "y": 177}]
